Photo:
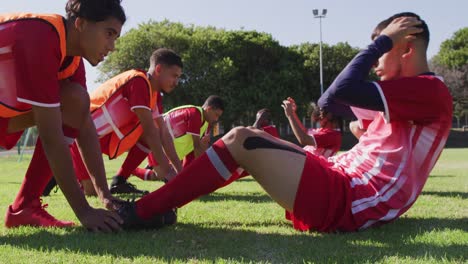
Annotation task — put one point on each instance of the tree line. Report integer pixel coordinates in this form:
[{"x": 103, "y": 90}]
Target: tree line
[
  {"x": 249, "y": 69},
  {"x": 452, "y": 63}
]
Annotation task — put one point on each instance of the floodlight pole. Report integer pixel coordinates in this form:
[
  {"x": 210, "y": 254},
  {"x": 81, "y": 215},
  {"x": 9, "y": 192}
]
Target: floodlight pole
[{"x": 316, "y": 15}]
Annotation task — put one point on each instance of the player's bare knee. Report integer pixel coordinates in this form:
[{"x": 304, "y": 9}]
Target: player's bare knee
[
  {"x": 237, "y": 135},
  {"x": 74, "y": 95},
  {"x": 75, "y": 102}
]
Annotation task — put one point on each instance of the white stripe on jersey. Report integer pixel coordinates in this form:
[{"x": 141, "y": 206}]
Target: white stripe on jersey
[
  {"x": 425, "y": 140},
  {"x": 384, "y": 101},
  {"x": 437, "y": 152},
  {"x": 328, "y": 153},
  {"x": 358, "y": 161},
  {"x": 368, "y": 175},
  {"x": 392, "y": 213},
  {"x": 423, "y": 145},
  {"x": 380, "y": 195}
]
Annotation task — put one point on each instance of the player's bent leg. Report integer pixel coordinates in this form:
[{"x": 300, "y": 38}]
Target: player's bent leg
[
  {"x": 214, "y": 169},
  {"x": 274, "y": 163},
  {"x": 74, "y": 102},
  {"x": 27, "y": 208}
]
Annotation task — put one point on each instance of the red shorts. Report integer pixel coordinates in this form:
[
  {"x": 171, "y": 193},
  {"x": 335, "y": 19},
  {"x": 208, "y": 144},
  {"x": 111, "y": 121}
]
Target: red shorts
[
  {"x": 323, "y": 199},
  {"x": 8, "y": 140}
]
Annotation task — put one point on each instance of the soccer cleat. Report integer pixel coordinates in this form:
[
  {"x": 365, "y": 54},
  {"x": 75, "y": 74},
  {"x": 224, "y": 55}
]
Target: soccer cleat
[
  {"x": 121, "y": 185},
  {"x": 131, "y": 221},
  {"x": 33, "y": 215}
]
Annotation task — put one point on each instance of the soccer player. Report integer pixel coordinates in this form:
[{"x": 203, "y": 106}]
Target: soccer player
[
  {"x": 123, "y": 109},
  {"x": 373, "y": 183},
  {"x": 42, "y": 83},
  {"x": 189, "y": 127},
  {"x": 324, "y": 141},
  {"x": 263, "y": 122}
]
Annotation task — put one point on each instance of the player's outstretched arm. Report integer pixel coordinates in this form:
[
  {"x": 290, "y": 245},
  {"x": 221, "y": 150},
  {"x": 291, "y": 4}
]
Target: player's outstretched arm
[
  {"x": 200, "y": 145},
  {"x": 152, "y": 137},
  {"x": 168, "y": 144},
  {"x": 289, "y": 106},
  {"x": 49, "y": 125},
  {"x": 88, "y": 144}
]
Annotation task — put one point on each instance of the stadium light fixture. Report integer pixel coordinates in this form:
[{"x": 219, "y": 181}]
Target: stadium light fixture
[{"x": 316, "y": 15}]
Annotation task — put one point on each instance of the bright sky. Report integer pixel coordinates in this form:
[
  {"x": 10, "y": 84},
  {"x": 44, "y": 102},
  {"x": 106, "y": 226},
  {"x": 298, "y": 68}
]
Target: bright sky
[{"x": 289, "y": 22}]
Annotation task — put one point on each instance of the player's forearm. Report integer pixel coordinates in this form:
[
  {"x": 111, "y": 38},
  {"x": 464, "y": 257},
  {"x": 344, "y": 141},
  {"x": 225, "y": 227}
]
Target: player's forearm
[
  {"x": 89, "y": 146},
  {"x": 299, "y": 131},
  {"x": 351, "y": 87},
  {"x": 355, "y": 129},
  {"x": 198, "y": 150},
  {"x": 170, "y": 151}
]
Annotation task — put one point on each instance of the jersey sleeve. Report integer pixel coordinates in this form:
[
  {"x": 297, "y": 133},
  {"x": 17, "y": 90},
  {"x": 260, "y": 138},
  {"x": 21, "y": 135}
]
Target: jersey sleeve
[
  {"x": 137, "y": 93},
  {"x": 325, "y": 138},
  {"x": 194, "y": 122},
  {"x": 37, "y": 61},
  {"x": 418, "y": 99}
]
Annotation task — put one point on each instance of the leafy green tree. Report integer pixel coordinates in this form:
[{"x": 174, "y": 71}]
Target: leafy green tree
[
  {"x": 249, "y": 69},
  {"x": 454, "y": 51}
]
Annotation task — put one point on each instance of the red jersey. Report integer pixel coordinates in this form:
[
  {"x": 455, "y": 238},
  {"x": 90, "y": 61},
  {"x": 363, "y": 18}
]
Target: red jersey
[
  {"x": 131, "y": 95},
  {"x": 186, "y": 120},
  {"x": 30, "y": 59},
  {"x": 389, "y": 166},
  {"x": 327, "y": 142}
]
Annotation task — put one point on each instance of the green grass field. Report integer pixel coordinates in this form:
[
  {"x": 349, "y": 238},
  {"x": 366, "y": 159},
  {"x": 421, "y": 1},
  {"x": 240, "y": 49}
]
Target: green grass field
[{"x": 241, "y": 224}]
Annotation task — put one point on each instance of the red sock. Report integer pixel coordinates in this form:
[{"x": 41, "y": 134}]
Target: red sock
[
  {"x": 37, "y": 175},
  {"x": 151, "y": 161},
  {"x": 188, "y": 159},
  {"x": 134, "y": 158},
  {"x": 142, "y": 173},
  {"x": 204, "y": 175}
]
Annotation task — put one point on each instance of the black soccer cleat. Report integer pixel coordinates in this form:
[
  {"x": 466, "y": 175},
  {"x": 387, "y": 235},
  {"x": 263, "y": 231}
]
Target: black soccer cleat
[
  {"x": 120, "y": 185},
  {"x": 131, "y": 221}
]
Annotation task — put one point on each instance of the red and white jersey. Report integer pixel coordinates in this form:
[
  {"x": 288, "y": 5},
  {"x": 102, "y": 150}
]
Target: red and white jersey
[
  {"x": 389, "y": 166},
  {"x": 121, "y": 105},
  {"x": 327, "y": 141},
  {"x": 271, "y": 129},
  {"x": 185, "y": 120}
]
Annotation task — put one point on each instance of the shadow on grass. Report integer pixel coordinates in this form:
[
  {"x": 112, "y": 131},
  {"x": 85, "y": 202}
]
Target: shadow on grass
[
  {"x": 246, "y": 197},
  {"x": 215, "y": 242},
  {"x": 442, "y": 176},
  {"x": 463, "y": 195}
]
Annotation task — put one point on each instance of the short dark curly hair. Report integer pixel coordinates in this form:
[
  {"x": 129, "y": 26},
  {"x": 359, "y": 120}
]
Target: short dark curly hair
[
  {"x": 95, "y": 10},
  {"x": 165, "y": 57}
]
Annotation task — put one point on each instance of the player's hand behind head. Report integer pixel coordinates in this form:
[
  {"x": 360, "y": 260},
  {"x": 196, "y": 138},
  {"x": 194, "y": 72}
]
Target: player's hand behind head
[{"x": 400, "y": 30}]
